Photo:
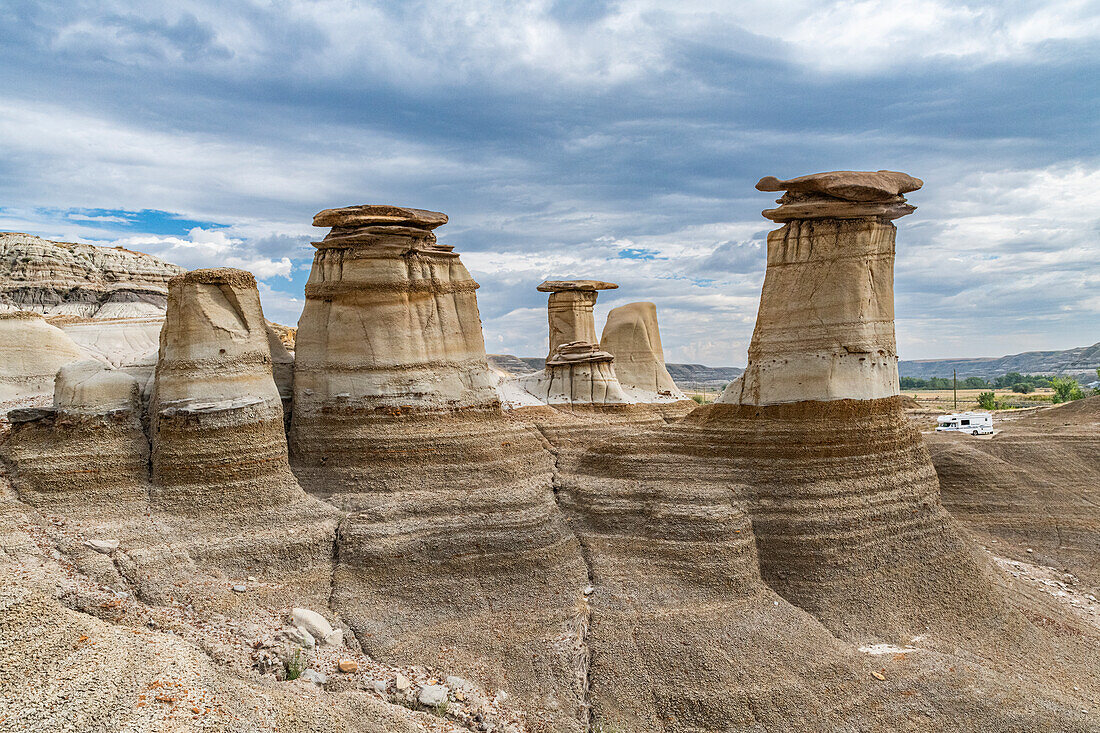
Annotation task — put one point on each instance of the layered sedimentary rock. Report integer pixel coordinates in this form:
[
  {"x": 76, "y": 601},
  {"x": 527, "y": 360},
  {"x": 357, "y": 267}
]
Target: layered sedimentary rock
[
  {"x": 215, "y": 394},
  {"x": 219, "y": 451},
  {"x": 841, "y": 500},
  {"x": 631, "y": 335},
  {"x": 62, "y": 278},
  {"x": 31, "y": 352},
  {"x": 92, "y": 387},
  {"x": 1031, "y": 492},
  {"x": 569, "y": 310},
  {"x": 423, "y": 343},
  {"x": 825, "y": 327},
  {"x": 453, "y": 554},
  {"x": 577, "y": 371}
]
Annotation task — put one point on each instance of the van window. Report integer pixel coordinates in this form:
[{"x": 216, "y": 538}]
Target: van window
[{"x": 966, "y": 422}]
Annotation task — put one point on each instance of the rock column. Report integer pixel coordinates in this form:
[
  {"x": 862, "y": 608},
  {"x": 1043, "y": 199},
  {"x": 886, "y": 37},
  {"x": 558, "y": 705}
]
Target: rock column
[
  {"x": 453, "y": 552},
  {"x": 569, "y": 310},
  {"x": 217, "y": 421},
  {"x": 825, "y": 327},
  {"x": 577, "y": 371},
  {"x": 631, "y": 335}
]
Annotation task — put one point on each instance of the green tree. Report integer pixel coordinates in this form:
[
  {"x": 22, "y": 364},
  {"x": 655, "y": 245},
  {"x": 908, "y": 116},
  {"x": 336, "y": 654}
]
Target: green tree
[
  {"x": 1022, "y": 387},
  {"x": 974, "y": 383},
  {"x": 1066, "y": 389},
  {"x": 987, "y": 401}
]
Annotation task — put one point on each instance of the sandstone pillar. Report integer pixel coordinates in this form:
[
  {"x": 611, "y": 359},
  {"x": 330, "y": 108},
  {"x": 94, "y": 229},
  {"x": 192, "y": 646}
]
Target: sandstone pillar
[
  {"x": 825, "y": 328},
  {"x": 632, "y": 337},
  {"x": 216, "y": 414},
  {"x": 569, "y": 310}
]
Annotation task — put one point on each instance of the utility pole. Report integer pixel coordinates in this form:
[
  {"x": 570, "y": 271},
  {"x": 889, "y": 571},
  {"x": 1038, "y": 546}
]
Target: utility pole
[{"x": 955, "y": 387}]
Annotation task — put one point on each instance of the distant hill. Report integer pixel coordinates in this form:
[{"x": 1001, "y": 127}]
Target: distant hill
[
  {"x": 684, "y": 375},
  {"x": 1083, "y": 360}
]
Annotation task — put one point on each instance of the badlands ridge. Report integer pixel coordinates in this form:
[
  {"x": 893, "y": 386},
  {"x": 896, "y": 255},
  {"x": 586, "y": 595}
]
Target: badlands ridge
[{"x": 380, "y": 532}]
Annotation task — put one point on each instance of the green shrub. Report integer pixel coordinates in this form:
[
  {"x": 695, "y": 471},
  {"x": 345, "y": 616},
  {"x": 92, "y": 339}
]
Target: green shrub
[
  {"x": 1022, "y": 387},
  {"x": 1066, "y": 389},
  {"x": 698, "y": 398},
  {"x": 295, "y": 666},
  {"x": 987, "y": 401}
]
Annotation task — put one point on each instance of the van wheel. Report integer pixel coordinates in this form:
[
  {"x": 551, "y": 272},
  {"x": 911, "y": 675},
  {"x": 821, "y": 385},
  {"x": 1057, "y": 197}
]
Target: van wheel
[{"x": 974, "y": 432}]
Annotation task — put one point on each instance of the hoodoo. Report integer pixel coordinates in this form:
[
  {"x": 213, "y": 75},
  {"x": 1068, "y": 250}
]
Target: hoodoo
[
  {"x": 631, "y": 335},
  {"x": 825, "y": 327},
  {"x": 569, "y": 310},
  {"x": 577, "y": 370},
  {"x": 454, "y": 553}
]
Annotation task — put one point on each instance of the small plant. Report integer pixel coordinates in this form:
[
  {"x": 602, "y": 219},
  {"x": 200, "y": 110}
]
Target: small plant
[
  {"x": 295, "y": 665},
  {"x": 987, "y": 400},
  {"x": 441, "y": 708},
  {"x": 698, "y": 398}
]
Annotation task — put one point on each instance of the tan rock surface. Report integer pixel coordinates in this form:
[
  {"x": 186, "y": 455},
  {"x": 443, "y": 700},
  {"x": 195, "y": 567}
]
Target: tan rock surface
[
  {"x": 631, "y": 335},
  {"x": 92, "y": 387},
  {"x": 842, "y": 195},
  {"x": 569, "y": 310},
  {"x": 576, "y": 373},
  {"x": 825, "y": 326},
  {"x": 31, "y": 352}
]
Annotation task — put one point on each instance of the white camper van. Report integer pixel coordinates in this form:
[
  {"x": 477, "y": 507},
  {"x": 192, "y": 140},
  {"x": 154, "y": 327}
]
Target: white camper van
[{"x": 975, "y": 423}]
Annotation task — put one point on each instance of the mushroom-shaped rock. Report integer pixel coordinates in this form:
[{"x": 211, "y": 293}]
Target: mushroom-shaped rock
[
  {"x": 92, "y": 387},
  {"x": 632, "y": 337},
  {"x": 396, "y": 420},
  {"x": 842, "y": 195},
  {"x": 31, "y": 352},
  {"x": 825, "y": 326},
  {"x": 390, "y": 321},
  {"x": 569, "y": 310}
]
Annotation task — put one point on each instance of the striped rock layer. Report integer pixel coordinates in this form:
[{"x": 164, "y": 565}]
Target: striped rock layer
[{"x": 453, "y": 552}]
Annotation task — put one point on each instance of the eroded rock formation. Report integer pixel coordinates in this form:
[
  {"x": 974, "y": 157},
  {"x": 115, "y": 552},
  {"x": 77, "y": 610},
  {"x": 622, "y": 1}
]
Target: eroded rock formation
[
  {"x": 569, "y": 310},
  {"x": 31, "y": 352},
  {"x": 779, "y": 552},
  {"x": 825, "y": 327},
  {"x": 215, "y": 386},
  {"x": 62, "y": 278},
  {"x": 453, "y": 553},
  {"x": 631, "y": 335},
  {"x": 577, "y": 371}
]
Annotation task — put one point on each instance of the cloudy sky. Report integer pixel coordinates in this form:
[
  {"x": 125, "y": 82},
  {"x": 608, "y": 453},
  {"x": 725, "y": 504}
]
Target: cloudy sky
[{"x": 576, "y": 138}]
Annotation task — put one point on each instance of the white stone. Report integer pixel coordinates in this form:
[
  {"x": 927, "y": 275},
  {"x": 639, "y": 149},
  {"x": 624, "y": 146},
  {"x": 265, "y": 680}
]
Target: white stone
[
  {"x": 433, "y": 695},
  {"x": 317, "y": 678},
  {"x": 104, "y": 546}
]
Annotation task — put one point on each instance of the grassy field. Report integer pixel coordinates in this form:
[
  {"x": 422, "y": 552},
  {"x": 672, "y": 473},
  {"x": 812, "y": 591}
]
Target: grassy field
[{"x": 941, "y": 399}]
